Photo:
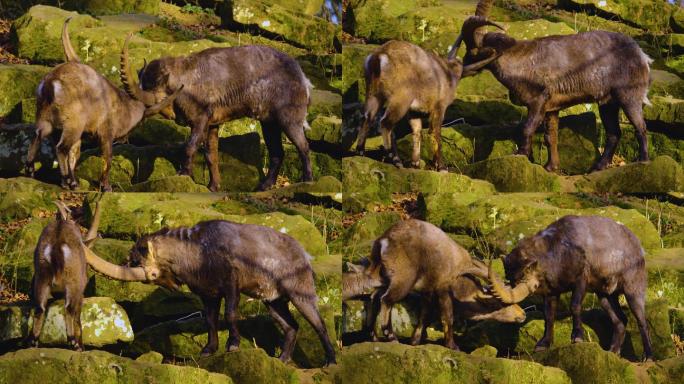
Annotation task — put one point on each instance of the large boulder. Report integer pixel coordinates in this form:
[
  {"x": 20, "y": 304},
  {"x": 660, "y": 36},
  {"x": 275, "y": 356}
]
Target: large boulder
[
  {"x": 250, "y": 366},
  {"x": 399, "y": 363},
  {"x": 368, "y": 183},
  {"x": 533, "y": 330},
  {"x": 19, "y": 82},
  {"x": 103, "y": 322},
  {"x": 514, "y": 174},
  {"x": 14, "y": 144},
  {"x": 503, "y": 219},
  {"x": 588, "y": 363},
  {"x": 666, "y": 111},
  {"x": 652, "y": 15},
  {"x": 94, "y": 367},
  {"x": 308, "y": 31},
  {"x": 660, "y": 175}
]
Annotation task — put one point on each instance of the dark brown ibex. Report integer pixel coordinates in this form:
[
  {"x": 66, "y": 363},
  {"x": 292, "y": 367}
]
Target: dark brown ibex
[
  {"x": 222, "y": 84},
  {"x": 553, "y": 73},
  {"x": 580, "y": 254},
  {"x": 416, "y": 256},
  {"x": 75, "y": 99},
  {"x": 403, "y": 78},
  {"x": 220, "y": 259},
  {"x": 59, "y": 263}
]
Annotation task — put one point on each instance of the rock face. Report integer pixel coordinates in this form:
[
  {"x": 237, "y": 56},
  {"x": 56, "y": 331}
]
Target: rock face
[
  {"x": 63, "y": 366},
  {"x": 398, "y": 363},
  {"x": 250, "y": 366},
  {"x": 103, "y": 322}
]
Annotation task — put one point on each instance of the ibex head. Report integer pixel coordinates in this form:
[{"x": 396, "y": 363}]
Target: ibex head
[
  {"x": 472, "y": 33},
  {"x": 157, "y": 101}
]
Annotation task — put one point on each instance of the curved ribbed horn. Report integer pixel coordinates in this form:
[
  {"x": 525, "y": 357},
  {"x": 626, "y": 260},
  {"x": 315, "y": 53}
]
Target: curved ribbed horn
[
  {"x": 510, "y": 295},
  {"x": 468, "y": 34},
  {"x": 63, "y": 210},
  {"x": 69, "y": 51},
  {"x": 91, "y": 236},
  {"x": 484, "y": 7},
  {"x": 114, "y": 271},
  {"x": 128, "y": 78}
]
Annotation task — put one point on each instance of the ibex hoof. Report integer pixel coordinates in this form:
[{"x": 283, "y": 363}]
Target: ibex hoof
[
  {"x": 206, "y": 351},
  {"x": 551, "y": 167},
  {"x": 541, "y": 347},
  {"x": 415, "y": 164},
  {"x": 232, "y": 348}
]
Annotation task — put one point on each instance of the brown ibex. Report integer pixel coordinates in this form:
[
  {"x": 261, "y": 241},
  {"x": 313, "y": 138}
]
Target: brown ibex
[
  {"x": 75, "y": 99},
  {"x": 404, "y": 79},
  {"x": 223, "y": 84},
  {"x": 580, "y": 254},
  {"x": 556, "y": 72},
  {"x": 220, "y": 259},
  {"x": 59, "y": 263},
  {"x": 416, "y": 256}
]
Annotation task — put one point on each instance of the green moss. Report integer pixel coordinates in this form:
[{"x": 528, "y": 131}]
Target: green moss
[
  {"x": 588, "y": 363},
  {"x": 661, "y": 175},
  {"x": 368, "y": 182},
  {"x": 648, "y": 14},
  {"x": 62, "y": 366},
  {"x": 360, "y": 236},
  {"x": 113, "y": 7},
  {"x": 400, "y": 363},
  {"x": 120, "y": 175},
  {"x": 514, "y": 174},
  {"x": 19, "y": 82},
  {"x": 250, "y": 366},
  {"x": 173, "y": 183}
]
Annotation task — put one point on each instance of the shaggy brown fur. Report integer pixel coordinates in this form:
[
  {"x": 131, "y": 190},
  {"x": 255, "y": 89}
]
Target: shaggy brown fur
[
  {"x": 402, "y": 78},
  {"x": 416, "y": 256},
  {"x": 223, "y": 84},
  {"x": 220, "y": 259},
  {"x": 580, "y": 254},
  {"x": 553, "y": 73},
  {"x": 75, "y": 99}
]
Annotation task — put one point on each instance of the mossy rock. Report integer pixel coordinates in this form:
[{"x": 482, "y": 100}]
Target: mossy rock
[
  {"x": 120, "y": 176},
  {"x": 399, "y": 363},
  {"x": 161, "y": 169},
  {"x": 369, "y": 183},
  {"x": 16, "y": 262},
  {"x": 19, "y": 82},
  {"x": 326, "y": 191},
  {"x": 156, "y": 131},
  {"x": 326, "y": 128},
  {"x": 250, "y": 366},
  {"x": 647, "y": 14},
  {"x": 659, "y": 328},
  {"x": 503, "y": 219},
  {"x": 665, "y": 110},
  {"x": 661, "y": 175},
  {"x": 325, "y": 103},
  {"x": 22, "y": 205},
  {"x": 63, "y": 366},
  {"x": 241, "y": 126},
  {"x": 514, "y": 174},
  {"x": 26, "y": 184},
  {"x": 103, "y": 322},
  {"x": 533, "y": 331},
  {"x": 360, "y": 236},
  {"x": 322, "y": 164},
  {"x": 353, "y": 83},
  {"x": 666, "y": 371},
  {"x": 113, "y": 7},
  {"x": 132, "y": 214},
  {"x": 588, "y": 363},
  {"x": 14, "y": 145},
  {"x": 311, "y": 32},
  {"x": 175, "y": 183}
]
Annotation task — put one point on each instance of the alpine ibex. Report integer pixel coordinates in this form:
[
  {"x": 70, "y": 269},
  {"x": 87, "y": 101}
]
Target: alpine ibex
[
  {"x": 222, "y": 84},
  {"x": 403, "y": 78},
  {"x": 59, "y": 263},
  {"x": 220, "y": 259},
  {"x": 553, "y": 73},
  {"x": 75, "y": 99},
  {"x": 416, "y": 256},
  {"x": 580, "y": 254}
]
